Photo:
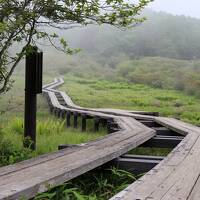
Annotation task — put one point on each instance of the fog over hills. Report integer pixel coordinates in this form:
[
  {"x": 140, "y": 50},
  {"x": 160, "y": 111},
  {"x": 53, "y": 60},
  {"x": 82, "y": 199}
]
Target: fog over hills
[
  {"x": 177, "y": 7},
  {"x": 163, "y": 52},
  {"x": 161, "y": 35}
]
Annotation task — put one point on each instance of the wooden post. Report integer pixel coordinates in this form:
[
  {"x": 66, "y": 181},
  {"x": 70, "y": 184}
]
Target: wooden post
[
  {"x": 55, "y": 111},
  {"x": 61, "y": 114},
  {"x": 96, "y": 124},
  {"x": 64, "y": 114},
  {"x": 68, "y": 118},
  {"x": 58, "y": 113},
  {"x": 50, "y": 108},
  {"x": 33, "y": 86},
  {"x": 75, "y": 120},
  {"x": 104, "y": 122},
  {"x": 83, "y": 122},
  {"x": 109, "y": 126}
]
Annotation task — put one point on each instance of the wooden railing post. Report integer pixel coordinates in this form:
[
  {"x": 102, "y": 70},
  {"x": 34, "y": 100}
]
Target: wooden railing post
[
  {"x": 33, "y": 86},
  {"x": 68, "y": 118},
  {"x": 96, "y": 124},
  {"x": 83, "y": 122},
  {"x": 75, "y": 120}
]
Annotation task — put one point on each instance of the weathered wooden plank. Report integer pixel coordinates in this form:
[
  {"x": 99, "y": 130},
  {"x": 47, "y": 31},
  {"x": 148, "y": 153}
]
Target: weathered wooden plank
[
  {"x": 177, "y": 125},
  {"x": 65, "y": 167},
  {"x": 175, "y": 176},
  {"x": 136, "y": 164},
  {"x": 83, "y": 122},
  {"x": 96, "y": 124},
  {"x": 163, "y": 142},
  {"x": 75, "y": 119},
  {"x": 165, "y": 181},
  {"x": 68, "y": 118},
  {"x": 150, "y": 123},
  {"x": 165, "y": 131}
]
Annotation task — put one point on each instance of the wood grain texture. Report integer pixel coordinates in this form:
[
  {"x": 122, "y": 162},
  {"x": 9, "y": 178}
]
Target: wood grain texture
[
  {"x": 26, "y": 179},
  {"x": 35, "y": 176},
  {"x": 176, "y": 177}
]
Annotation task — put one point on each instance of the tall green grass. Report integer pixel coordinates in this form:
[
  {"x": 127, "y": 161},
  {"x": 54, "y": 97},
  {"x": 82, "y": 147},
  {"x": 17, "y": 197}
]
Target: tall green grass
[{"x": 50, "y": 133}]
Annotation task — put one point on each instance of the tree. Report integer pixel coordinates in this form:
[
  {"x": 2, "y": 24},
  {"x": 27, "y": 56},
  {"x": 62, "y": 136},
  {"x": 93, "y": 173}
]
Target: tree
[{"x": 25, "y": 22}]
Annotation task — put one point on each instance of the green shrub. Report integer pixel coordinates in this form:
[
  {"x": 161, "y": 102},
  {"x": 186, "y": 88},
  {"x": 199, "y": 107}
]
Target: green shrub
[
  {"x": 9, "y": 154},
  {"x": 99, "y": 184}
]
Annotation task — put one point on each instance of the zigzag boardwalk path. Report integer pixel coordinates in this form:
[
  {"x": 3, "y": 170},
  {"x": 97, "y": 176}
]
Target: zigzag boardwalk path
[{"x": 175, "y": 177}]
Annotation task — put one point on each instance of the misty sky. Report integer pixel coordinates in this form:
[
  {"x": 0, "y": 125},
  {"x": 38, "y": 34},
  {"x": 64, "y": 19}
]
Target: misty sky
[{"x": 179, "y": 7}]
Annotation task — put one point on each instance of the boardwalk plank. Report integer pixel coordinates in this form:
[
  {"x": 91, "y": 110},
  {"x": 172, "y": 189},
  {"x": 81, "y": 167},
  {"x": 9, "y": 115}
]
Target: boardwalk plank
[
  {"x": 176, "y": 175},
  {"x": 62, "y": 168}
]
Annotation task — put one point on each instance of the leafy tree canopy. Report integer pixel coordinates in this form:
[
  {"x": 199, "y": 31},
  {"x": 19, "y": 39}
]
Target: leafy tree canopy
[{"x": 25, "y": 22}]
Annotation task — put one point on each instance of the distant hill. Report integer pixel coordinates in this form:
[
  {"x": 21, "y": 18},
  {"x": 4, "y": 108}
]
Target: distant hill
[
  {"x": 163, "y": 52},
  {"x": 163, "y": 35}
]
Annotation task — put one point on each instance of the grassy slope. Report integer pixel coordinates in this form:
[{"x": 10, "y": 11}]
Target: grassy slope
[{"x": 99, "y": 93}]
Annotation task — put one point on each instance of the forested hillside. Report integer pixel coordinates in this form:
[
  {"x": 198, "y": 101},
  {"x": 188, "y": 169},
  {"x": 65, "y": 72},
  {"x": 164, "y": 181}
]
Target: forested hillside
[
  {"x": 161, "y": 35},
  {"x": 163, "y": 52}
]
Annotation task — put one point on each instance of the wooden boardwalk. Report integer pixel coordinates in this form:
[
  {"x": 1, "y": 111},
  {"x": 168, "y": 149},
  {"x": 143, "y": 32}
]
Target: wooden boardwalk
[{"x": 175, "y": 177}]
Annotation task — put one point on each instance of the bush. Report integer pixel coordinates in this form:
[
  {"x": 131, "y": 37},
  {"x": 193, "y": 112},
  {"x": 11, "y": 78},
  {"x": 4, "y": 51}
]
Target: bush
[{"x": 9, "y": 154}]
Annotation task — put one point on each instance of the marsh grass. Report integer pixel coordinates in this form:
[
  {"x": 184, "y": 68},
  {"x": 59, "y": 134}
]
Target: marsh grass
[
  {"x": 98, "y": 93},
  {"x": 50, "y": 133},
  {"x": 98, "y": 184}
]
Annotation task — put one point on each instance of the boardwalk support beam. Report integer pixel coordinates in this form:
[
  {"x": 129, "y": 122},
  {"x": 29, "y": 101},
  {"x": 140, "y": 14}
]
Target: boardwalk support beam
[
  {"x": 96, "y": 124},
  {"x": 136, "y": 164},
  {"x": 83, "y": 124},
  {"x": 163, "y": 142},
  {"x": 75, "y": 120},
  {"x": 68, "y": 118}
]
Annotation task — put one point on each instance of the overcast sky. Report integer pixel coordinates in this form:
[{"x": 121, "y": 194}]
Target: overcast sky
[{"x": 179, "y": 7}]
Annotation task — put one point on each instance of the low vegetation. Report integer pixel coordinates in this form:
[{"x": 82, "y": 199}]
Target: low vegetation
[
  {"x": 109, "y": 94},
  {"x": 99, "y": 184},
  {"x": 162, "y": 73},
  {"x": 102, "y": 183},
  {"x": 50, "y": 133}
]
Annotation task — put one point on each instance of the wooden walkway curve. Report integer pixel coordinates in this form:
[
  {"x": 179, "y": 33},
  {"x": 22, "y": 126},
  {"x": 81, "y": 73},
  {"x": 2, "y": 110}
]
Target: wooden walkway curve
[{"x": 175, "y": 177}]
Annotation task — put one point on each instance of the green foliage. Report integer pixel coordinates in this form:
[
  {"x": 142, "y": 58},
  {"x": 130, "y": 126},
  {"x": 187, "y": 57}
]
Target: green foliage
[
  {"x": 50, "y": 134},
  {"x": 122, "y": 95},
  {"x": 17, "y": 126},
  {"x": 162, "y": 73},
  {"x": 9, "y": 154},
  {"x": 46, "y": 127},
  {"x": 98, "y": 184},
  {"x": 162, "y": 35},
  {"x": 22, "y": 22}
]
